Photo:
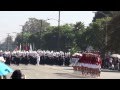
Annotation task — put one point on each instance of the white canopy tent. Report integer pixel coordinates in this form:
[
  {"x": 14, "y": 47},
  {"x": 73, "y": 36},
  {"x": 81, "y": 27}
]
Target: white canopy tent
[{"x": 115, "y": 55}]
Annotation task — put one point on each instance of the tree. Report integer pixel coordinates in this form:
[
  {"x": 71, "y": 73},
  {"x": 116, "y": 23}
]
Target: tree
[
  {"x": 32, "y": 32},
  {"x": 8, "y": 44},
  {"x": 114, "y": 34},
  {"x": 79, "y": 26},
  {"x": 95, "y": 34},
  {"x": 65, "y": 38},
  {"x": 78, "y": 30},
  {"x": 35, "y": 25},
  {"x": 103, "y": 14}
]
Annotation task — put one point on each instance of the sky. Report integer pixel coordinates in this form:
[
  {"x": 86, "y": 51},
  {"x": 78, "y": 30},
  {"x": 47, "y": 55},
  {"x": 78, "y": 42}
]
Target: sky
[{"x": 11, "y": 21}]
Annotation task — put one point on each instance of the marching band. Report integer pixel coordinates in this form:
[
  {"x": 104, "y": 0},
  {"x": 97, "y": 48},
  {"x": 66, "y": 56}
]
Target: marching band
[
  {"x": 37, "y": 57},
  {"x": 88, "y": 64}
]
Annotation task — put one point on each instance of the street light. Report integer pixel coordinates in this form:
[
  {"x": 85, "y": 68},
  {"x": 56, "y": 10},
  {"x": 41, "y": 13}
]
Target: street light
[
  {"x": 53, "y": 19},
  {"x": 58, "y": 29}
]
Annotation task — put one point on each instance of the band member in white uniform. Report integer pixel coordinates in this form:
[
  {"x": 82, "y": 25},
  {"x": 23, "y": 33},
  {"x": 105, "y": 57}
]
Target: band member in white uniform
[{"x": 38, "y": 59}]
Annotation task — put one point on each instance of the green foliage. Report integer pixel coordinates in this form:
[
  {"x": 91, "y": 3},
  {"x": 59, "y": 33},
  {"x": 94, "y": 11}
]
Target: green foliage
[
  {"x": 103, "y": 14},
  {"x": 94, "y": 35},
  {"x": 8, "y": 44},
  {"x": 69, "y": 36},
  {"x": 114, "y": 34},
  {"x": 74, "y": 37},
  {"x": 35, "y": 25}
]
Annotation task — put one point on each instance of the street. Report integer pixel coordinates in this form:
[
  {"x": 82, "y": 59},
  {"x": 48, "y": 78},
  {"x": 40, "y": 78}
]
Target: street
[{"x": 58, "y": 72}]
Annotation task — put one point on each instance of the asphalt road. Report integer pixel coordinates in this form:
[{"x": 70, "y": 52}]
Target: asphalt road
[{"x": 59, "y": 72}]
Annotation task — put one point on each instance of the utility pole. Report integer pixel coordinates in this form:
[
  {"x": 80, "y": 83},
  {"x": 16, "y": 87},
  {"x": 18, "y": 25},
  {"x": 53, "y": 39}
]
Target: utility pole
[
  {"x": 41, "y": 34},
  {"x": 106, "y": 38},
  {"x": 8, "y": 41},
  {"x": 58, "y": 44}
]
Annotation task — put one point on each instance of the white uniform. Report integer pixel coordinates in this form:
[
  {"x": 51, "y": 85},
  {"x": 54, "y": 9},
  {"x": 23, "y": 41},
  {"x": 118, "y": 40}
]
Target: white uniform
[
  {"x": 2, "y": 59},
  {"x": 38, "y": 59}
]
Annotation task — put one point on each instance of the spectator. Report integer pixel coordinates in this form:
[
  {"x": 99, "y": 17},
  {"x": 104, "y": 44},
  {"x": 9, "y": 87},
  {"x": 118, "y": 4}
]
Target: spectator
[
  {"x": 118, "y": 64},
  {"x": 3, "y": 77},
  {"x": 17, "y": 74}
]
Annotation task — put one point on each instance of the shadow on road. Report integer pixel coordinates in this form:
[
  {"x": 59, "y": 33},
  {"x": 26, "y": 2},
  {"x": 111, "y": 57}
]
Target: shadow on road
[
  {"x": 68, "y": 69},
  {"x": 70, "y": 75},
  {"x": 106, "y": 70}
]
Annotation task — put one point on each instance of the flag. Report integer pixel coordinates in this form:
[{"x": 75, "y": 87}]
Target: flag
[
  {"x": 20, "y": 47},
  {"x": 30, "y": 47},
  {"x": 33, "y": 46},
  {"x": 17, "y": 48},
  {"x": 27, "y": 47}
]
